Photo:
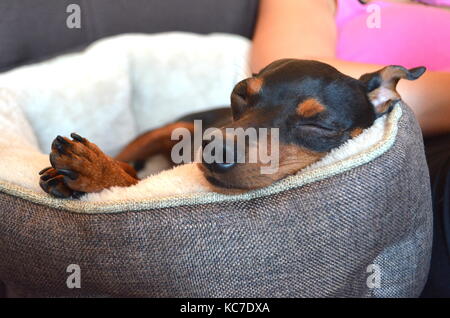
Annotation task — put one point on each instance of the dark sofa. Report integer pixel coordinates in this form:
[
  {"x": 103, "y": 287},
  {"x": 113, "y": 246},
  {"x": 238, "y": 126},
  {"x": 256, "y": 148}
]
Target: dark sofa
[{"x": 32, "y": 30}]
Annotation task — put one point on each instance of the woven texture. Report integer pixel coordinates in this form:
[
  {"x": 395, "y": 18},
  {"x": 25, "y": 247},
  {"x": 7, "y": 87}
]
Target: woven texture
[{"x": 311, "y": 241}]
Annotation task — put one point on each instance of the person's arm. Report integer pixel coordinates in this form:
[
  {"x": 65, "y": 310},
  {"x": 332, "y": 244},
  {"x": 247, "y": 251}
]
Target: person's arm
[
  {"x": 293, "y": 28},
  {"x": 306, "y": 29}
]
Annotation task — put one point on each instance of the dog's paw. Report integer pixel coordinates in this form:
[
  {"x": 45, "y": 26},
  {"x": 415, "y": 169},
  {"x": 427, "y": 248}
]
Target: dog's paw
[
  {"x": 79, "y": 163},
  {"x": 53, "y": 183},
  {"x": 82, "y": 167}
]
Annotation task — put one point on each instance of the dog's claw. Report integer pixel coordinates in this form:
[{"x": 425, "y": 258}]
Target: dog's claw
[
  {"x": 56, "y": 193},
  {"x": 53, "y": 181},
  {"x": 59, "y": 145},
  {"x": 62, "y": 140},
  {"x": 46, "y": 177},
  {"x": 77, "y": 194},
  {"x": 68, "y": 173},
  {"x": 44, "y": 170},
  {"x": 44, "y": 185},
  {"x": 77, "y": 137}
]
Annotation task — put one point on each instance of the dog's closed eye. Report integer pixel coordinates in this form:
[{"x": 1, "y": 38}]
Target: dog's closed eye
[{"x": 315, "y": 126}]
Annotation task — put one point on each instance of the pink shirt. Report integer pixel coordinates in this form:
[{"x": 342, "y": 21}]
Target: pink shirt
[{"x": 409, "y": 34}]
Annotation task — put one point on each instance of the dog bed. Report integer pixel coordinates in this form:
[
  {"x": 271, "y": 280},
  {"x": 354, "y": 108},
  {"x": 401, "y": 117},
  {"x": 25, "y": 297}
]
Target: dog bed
[{"x": 361, "y": 211}]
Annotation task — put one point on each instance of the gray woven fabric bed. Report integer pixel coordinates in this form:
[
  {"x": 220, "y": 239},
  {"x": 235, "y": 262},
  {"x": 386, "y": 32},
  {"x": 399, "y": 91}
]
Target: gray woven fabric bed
[{"x": 313, "y": 239}]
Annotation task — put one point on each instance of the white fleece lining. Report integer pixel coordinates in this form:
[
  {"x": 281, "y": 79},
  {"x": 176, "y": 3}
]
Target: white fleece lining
[{"x": 21, "y": 159}]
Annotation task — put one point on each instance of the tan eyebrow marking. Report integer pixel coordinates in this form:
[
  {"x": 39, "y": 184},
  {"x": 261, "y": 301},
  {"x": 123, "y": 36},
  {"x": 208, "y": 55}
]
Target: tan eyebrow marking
[
  {"x": 310, "y": 107},
  {"x": 254, "y": 85}
]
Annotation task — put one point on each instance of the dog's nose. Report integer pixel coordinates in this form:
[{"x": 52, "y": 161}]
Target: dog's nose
[{"x": 219, "y": 165}]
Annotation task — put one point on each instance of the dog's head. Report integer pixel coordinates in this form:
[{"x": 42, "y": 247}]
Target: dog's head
[{"x": 313, "y": 109}]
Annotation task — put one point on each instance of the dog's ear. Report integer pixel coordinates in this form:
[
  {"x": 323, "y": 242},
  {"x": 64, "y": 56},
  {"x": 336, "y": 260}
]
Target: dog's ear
[{"x": 381, "y": 85}]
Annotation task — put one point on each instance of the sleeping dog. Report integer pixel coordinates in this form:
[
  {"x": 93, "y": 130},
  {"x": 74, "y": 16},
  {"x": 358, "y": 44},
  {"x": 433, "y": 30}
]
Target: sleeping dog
[{"x": 313, "y": 106}]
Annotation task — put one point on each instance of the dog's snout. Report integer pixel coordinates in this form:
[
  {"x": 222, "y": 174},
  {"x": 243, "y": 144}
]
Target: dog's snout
[{"x": 218, "y": 162}]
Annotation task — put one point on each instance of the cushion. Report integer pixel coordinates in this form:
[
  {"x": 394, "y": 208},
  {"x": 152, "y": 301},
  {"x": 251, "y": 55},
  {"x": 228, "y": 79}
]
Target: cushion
[{"x": 318, "y": 233}]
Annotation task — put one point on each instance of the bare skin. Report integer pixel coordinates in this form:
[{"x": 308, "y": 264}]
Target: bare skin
[{"x": 306, "y": 29}]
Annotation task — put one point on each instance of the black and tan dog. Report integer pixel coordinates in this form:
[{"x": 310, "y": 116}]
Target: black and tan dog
[{"x": 315, "y": 108}]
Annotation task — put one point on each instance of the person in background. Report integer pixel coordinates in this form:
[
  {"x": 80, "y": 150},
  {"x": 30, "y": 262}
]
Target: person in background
[{"x": 358, "y": 37}]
